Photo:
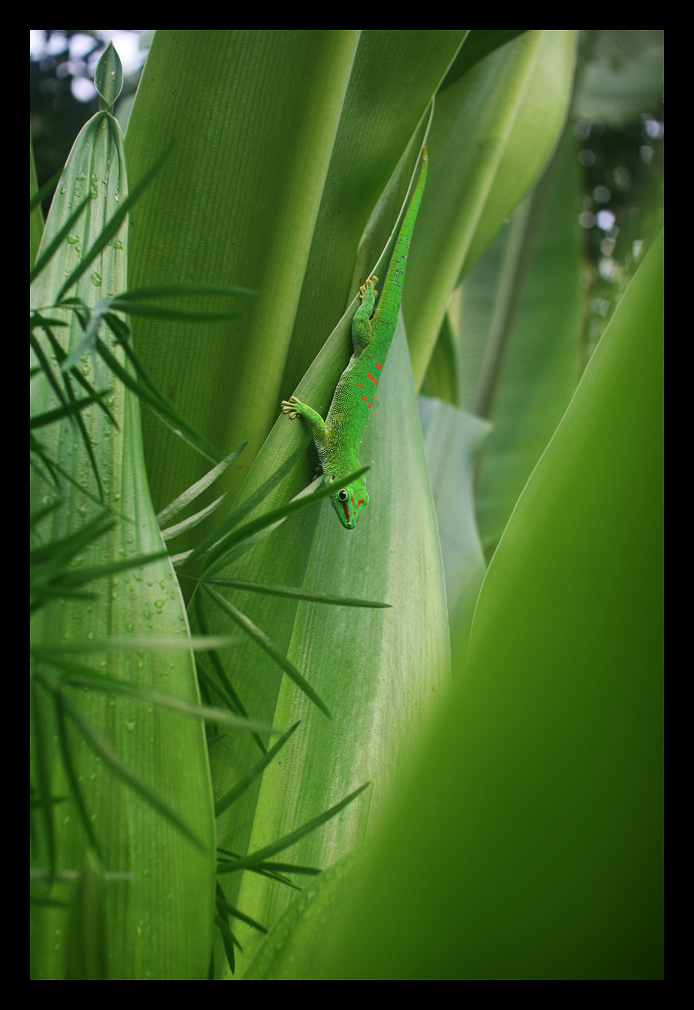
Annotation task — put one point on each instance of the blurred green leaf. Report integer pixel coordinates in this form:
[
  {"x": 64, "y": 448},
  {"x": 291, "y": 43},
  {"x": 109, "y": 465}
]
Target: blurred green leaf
[
  {"x": 549, "y": 864},
  {"x": 492, "y": 133}
]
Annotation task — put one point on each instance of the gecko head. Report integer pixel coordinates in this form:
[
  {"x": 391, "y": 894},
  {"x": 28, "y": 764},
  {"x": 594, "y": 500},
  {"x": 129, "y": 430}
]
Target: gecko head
[{"x": 349, "y": 500}]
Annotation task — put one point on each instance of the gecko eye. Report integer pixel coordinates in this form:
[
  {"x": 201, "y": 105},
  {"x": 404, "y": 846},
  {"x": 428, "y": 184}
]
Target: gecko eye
[{"x": 342, "y": 494}]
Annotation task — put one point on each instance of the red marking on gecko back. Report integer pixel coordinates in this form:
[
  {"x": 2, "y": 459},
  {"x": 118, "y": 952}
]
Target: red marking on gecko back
[
  {"x": 378, "y": 364},
  {"x": 370, "y": 376}
]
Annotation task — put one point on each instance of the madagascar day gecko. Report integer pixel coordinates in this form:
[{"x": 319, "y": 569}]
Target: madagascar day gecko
[{"x": 338, "y": 438}]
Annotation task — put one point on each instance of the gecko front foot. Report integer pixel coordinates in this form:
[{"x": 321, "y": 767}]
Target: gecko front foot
[{"x": 289, "y": 406}]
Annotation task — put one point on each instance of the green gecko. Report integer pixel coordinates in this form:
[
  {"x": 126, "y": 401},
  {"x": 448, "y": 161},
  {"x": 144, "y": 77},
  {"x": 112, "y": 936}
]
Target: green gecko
[{"x": 339, "y": 437}]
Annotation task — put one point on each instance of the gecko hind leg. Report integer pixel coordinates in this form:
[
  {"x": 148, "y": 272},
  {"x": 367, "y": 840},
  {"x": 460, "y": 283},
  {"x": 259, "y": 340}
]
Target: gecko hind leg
[{"x": 362, "y": 332}]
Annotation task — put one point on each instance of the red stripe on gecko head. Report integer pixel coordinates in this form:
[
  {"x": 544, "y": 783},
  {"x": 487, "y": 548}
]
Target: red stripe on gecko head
[{"x": 370, "y": 376}]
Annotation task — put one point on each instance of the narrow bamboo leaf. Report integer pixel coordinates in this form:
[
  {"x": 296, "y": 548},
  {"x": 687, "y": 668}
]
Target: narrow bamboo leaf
[
  {"x": 237, "y": 914},
  {"x": 171, "y": 532},
  {"x": 42, "y": 594},
  {"x": 90, "y": 574},
  {"x": 268, "y": 645},
  {"x": 41, "y": 195},
  {"x": 230, "y": 695},
  {"x": 261, "y": 871},
  {"x": 293, "y": 593},
  {"x": 56, "y": 469},
  {"x": 82, "y": 676},
  {"x": 49, "y": 252},
  {"x": 45, "y": 365},
  {"x": 51, "y": 416},
  {"x": 58, "y": 552},
  {"x": 229, "y": 940},
  {"x": 209, "y": 687},
  {"x": 144, "y": 391},
  {"x": 36, "y": 516},
  {"x": 86, "y": 440},
  {"x": 74, "y": 373},
  {"x": 283, "y": 467},
  {"x": 226, "y": 801},
  {"x": 283, "y": 843},
  {"x": 191, "y": 493},
  {"x": 35, "y": 212},
  {"x": 241, "y": 511},
  {"x": 235, "y": 536},
  {"x": 195, "y": 642},
  {"x": 91, "y": 323},
  {"x": 48, "y": 476},
  {"x": 36, "y": 320},
  {"x": 308, "y": 871},
  {"x": 48, "y": 902}
]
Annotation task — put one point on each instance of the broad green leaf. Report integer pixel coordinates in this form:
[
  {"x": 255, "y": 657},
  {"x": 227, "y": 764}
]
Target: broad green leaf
[
  {"x": 452, "y": 443},
  {"x": 492, "y": 134},
  {"x": 136, "y": 774},
  {"x": 528, "y": 843},
  {"x": 478, "y": 44},
  {"x": 518, "y": 322}
]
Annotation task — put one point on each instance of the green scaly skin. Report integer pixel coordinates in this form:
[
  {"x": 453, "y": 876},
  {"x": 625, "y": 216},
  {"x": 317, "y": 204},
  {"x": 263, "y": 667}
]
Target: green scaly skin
[{"x": 339, "y": 437}]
